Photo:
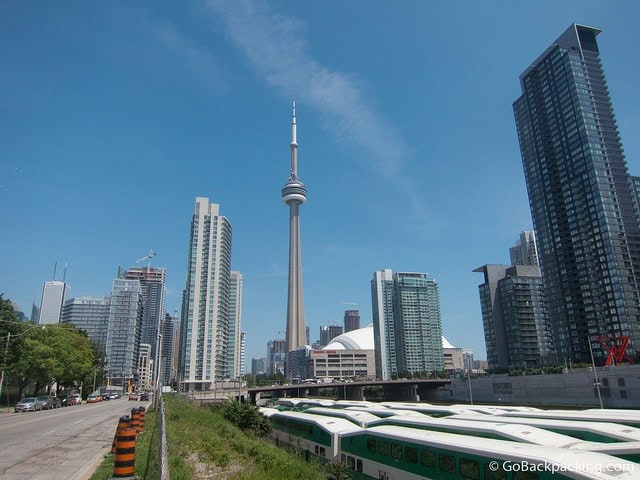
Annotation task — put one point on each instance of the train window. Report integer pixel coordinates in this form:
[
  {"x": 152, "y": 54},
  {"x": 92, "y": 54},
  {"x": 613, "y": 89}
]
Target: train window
[
  {"x": 396, "y": 451},
  {"x": 447, "y": 463},
  {"x": 359, "y": 465},
  {"x": 411, "y": 454},
  {"x": 525, "y": 476},
  {"x": 371, "y": 445},
  {"x": 343, "y": 459},
  {"x": 498, "y": 474},
  {"x": 317, "y": 450},
  {"x": 323, "y": 452},
  {"x": 383, "y": 448},
  {"x": 351, "y": 462},
  {"x": 469, "y": 469},
  {"x": 428, "y": 458}
]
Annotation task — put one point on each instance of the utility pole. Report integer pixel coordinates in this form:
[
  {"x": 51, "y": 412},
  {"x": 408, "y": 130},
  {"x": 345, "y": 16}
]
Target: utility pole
[{"x": 4, "y": 362}]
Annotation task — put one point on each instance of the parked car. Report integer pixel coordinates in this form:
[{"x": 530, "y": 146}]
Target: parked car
[
  {"x": 133, "y": 396},
  {"x": 94, "y": 398},
  {"x": 114, "y": 395},
  {"x": 46, "y": 401},
  {"x": 30, "y": 404},
  {"x": 57, "y": 403},
  {"x": 73, "y": 399}
]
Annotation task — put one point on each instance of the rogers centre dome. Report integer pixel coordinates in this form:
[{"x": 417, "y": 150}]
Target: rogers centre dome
[{"x": 362, "y": 339}]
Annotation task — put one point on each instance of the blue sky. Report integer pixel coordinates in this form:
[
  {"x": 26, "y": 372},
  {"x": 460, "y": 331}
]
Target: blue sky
[{"x": 114, "y": 116}]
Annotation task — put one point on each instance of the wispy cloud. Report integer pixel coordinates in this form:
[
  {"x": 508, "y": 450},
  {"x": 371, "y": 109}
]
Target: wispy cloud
[{"x": 274, "y": 45}]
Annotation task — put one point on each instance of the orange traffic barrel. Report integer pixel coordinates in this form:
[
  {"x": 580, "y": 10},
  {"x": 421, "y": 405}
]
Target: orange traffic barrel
[
  {"x": 124, "y": 422},
  {"x": 135, "y": 419},
  {"x": 125, "y": 453},
  {"x": 141, "y": 412}
]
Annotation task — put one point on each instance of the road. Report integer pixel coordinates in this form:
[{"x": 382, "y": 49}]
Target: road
[{"x": 65, "y": 443}]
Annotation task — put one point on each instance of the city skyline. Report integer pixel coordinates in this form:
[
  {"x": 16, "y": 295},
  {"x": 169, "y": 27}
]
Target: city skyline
[{"x": 409, "y": 146}]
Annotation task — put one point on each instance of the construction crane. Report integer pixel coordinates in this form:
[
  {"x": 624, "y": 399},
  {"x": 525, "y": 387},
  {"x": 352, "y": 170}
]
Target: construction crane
[{"x": 148, "y": 258}]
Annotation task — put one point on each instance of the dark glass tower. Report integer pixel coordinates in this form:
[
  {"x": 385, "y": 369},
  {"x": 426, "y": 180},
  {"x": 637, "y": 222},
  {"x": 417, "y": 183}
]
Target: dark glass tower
[{"x": 582, "y": 199}]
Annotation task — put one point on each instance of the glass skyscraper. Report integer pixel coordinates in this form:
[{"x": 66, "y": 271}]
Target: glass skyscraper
[
  {"x": 407, "y": 323},
  {"x": 584, "y": 208},
  {"x": 514, "y": 316}
]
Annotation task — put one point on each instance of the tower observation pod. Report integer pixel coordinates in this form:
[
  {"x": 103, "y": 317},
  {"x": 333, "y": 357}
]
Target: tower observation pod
[{"x": 294, "y": 194}]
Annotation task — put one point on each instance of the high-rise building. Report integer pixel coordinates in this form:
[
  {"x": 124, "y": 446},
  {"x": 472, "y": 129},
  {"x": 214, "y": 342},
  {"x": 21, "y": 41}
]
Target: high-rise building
[
  {"x": 407, "y": 323},
  {"x": 525, "y": 251},
  {"x": 234, "y": 347},
  {"x": 584, "y": 208},
  {"x": 294, "y": 194},
  {"x": 168, "y": 352},
  {"x": 258, "y": 366},
  {"x": 123, "y": 331},
  {"x": 351, "y": 320},
  {"x": 243, "y": 353},
  {"x": 145, "y": 367},
  {"x": 54, "y": 294},
  {"x": 205, "y": 308},
  {"x": 90, "y": 314},
  {"x": 276, "y": 355},
  {"x": 328, "y": 333},
  {"x": 153, "y": 283},
  {"x": 516, "y": 325}
]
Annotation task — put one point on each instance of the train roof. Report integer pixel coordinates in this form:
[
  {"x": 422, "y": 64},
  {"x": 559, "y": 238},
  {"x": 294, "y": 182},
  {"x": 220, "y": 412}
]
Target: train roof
[
  {"x": 588, "y": 462},
  {"x": 509, "y": 431},
  {"x": 329, "y": 424},
  {"x": 353, "y": 403},
  {"x": 506, "y": 408},
  {"x": 614, "y": 430},
  {"x": 387, "y": 412},
  {"x": 582, "y": 415},
  {"x": 267, "y": 412},
  {"x": 428, "y": 408},
  {"x": 355, "y": 416}
]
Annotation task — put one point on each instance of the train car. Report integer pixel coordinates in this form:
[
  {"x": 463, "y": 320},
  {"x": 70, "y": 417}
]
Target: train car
[
  {"x": 353, "y": 403},
  {"x": 428, "y": 409},
  {"x": 361, "y": 419},
  {"x": 384, "y": 412},
  {"x": 316, "y": 435},
  {"x": 601, "y": 432},
  {"x": 267, "y": 411},
  {"x": 400, "y": 453},
  {"x": 506, "y": 408},
  {"x": 514, "y": 432},
  {"x": 300, "y": 404},
  {"x": 615, "y": 416}
]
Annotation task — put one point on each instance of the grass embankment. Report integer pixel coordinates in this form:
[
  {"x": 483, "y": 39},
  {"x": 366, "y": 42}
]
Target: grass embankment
[{"x": 202, "y": 444}]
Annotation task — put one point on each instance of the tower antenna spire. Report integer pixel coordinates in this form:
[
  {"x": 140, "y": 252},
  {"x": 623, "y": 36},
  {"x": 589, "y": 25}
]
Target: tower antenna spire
[{"x": 294, "y": 144}]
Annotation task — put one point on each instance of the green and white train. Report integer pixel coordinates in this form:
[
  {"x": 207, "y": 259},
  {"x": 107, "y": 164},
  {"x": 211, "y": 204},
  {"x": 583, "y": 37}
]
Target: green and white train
[{"x": 403, "y": 453}]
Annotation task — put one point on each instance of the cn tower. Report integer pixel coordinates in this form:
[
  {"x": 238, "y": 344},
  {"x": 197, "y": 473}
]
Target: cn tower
[{"x": 294, "y": 194}]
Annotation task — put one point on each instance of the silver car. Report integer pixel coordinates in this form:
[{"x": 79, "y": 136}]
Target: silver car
[{"x": 30, "y": 404}]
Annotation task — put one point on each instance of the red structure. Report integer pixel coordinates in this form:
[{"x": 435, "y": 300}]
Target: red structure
[{"x": 617, "y": 349}]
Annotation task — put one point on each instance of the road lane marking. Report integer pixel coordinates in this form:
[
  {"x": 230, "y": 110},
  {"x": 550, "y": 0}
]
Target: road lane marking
[{"x": 48, "y": 433}]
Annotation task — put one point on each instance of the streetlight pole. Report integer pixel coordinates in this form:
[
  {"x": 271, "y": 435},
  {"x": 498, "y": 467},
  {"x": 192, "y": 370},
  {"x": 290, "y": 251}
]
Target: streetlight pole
[{"x": 595, "y": 373}]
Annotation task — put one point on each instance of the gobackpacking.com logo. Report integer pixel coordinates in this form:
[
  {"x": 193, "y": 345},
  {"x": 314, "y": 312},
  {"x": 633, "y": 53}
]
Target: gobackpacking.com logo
[{"x": 524, "y": 466}]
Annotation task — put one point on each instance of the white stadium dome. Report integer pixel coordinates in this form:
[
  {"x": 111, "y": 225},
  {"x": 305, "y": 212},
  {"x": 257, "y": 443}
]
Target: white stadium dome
[{"x": 362, "y": 339}]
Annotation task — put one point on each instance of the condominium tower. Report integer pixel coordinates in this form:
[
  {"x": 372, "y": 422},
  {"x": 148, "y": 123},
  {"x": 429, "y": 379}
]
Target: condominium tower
[
  {"x": 514, "y": 315},
  {"x": 123, "y": 331},
  {"x": 205, "y": 304},
  {"x": 90, "y": 314},
  {"x": 234, "y": 348},
  {"x": 153, "y": 284},
  {"x": 407, "y": 323},
  {"x": 525, "y": 251},
  {"x": 584, "y": 208},
  {"x": 54, "y": 294}
]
